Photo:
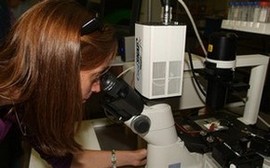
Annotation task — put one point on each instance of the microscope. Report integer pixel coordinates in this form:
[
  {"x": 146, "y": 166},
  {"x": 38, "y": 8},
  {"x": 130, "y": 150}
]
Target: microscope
[
  {"x": 159, "y": 66},
  {"x": 155, "y": 124}
]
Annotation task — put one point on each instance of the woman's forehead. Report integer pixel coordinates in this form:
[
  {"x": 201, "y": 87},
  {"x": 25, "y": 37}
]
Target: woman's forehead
[{"x": 103, "y": 67}]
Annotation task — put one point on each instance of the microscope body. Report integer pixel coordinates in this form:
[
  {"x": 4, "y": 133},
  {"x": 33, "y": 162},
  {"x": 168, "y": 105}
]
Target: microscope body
[
  {"x": 155, "y": 124},
  {"x": 164, "y": 148}
]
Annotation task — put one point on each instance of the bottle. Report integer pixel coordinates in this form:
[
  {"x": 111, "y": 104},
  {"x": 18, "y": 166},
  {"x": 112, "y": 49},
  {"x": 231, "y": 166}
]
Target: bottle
[
  {"x": 243, "y": 11},
  {"x": 268, "y": 13},
  {"x": 230, "y": 10},
  {"x": 257, "y": 10},
  {"x": 250, "y": 14},
  {"x": 236, "y": 11},
  {"x": 263, "y": 16}
]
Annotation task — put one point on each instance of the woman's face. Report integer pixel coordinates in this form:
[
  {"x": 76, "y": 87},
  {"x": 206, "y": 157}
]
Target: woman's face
[{"x": 90, "y": 81}]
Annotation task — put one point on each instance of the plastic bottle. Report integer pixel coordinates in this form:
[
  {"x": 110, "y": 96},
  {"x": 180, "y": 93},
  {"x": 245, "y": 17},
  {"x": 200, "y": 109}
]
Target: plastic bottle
[
  {"x": 264, "y": 11},
  {"x": 243, "y": 11},
  {"x": 236, "y": 11},
  {"x": 250, "y": 13},
  {"x": 230, "y": 10},
  {"x": 268, "y": 13},
  {"x": 257, "y": 10}
]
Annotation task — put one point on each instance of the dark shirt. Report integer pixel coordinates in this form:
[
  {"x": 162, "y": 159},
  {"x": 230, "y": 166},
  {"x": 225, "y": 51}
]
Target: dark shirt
[{"x": 8, "y": 122}]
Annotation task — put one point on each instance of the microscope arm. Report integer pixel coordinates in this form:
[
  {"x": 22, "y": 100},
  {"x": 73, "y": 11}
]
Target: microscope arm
[{"x": 162, "y": 129}]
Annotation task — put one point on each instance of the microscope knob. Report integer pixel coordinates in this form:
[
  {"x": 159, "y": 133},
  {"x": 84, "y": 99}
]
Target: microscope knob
[{"x": 141, "y": 124}]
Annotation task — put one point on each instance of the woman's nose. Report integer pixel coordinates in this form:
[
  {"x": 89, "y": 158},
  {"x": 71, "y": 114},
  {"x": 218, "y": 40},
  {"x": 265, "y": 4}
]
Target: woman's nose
[{"x": 96, "y": 87}]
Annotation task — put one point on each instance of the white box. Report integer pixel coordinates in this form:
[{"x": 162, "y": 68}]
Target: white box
[{"x": 159, "y": 60}]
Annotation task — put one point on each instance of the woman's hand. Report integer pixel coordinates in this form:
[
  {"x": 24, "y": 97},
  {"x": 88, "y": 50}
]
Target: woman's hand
[
  {"x": 102, "y": 159},
  {"x": 131, "y": 158}
]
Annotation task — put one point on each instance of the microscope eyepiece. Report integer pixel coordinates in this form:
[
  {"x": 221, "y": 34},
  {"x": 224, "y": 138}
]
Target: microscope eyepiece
[{"x": 120, "y": 99}]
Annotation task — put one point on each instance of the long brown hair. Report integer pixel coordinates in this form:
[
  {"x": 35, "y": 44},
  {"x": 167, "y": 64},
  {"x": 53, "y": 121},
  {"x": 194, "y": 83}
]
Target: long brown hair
[{"x": 40, "y": 66}]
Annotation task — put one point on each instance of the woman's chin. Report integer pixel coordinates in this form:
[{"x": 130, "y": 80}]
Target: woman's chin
[{"x": 84, "y": 99}]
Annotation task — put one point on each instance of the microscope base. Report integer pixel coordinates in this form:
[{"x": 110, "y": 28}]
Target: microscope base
[{"x": 172, "y": 156}]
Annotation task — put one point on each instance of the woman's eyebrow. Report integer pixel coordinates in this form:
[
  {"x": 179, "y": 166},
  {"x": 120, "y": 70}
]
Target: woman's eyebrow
[{"x": 105, "y": 70}]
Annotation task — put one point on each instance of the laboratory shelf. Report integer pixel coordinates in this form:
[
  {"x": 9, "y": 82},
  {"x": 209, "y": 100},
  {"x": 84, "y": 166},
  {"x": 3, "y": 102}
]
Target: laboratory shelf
[{"x": 252, "y": 27}]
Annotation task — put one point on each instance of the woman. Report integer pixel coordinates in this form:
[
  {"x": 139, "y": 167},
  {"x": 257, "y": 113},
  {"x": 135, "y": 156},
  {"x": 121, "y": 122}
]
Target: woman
[{"x": 50, "y": 64}]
